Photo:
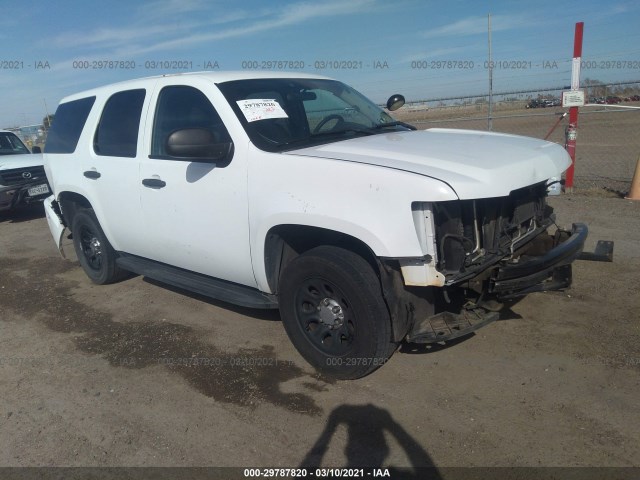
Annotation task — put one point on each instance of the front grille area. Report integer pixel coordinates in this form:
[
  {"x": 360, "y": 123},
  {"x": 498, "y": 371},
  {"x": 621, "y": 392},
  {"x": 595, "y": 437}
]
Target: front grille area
[
  {"x": 473, "y": 233},
  {"x": 17, "y": 176}
]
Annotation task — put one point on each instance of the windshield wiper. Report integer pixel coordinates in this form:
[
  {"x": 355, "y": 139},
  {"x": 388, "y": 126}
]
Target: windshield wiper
[
  {"x": 366, "y": 131},
  {"x": 380, "y": 126}
]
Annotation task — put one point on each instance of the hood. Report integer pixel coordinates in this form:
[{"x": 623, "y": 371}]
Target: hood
[
  {"x": 8, "y": 162},
  {"x": 474, "y": 164}
]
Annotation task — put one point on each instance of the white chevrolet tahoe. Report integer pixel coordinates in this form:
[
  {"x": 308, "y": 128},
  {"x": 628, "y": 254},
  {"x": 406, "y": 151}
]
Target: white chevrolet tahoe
[{"x": 294, "y": 191}]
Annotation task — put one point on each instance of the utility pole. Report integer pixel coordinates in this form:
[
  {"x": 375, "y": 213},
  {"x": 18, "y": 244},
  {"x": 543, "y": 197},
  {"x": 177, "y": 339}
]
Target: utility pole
[
  {"x": 490, "y": 114},
  {"x": 46, "y": 110}
]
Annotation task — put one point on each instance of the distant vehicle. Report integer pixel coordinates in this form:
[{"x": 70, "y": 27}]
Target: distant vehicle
[
  {"x": 22, "y": 177},
  {"x": 613, "y": 100},
  {"x": 535, "y": 103},
  {"x": 543, "y": 103},
  {"x": 635, "y": 98}
]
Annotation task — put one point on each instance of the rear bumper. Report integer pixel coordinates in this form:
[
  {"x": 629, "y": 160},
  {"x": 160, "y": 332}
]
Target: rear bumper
[
  {"x": 56, "y": 227},
  {"x": 550, "y": 271}
]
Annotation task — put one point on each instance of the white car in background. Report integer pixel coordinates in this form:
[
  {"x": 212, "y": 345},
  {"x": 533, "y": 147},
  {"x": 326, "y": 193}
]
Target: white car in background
[{"x": 22, "y": 177}]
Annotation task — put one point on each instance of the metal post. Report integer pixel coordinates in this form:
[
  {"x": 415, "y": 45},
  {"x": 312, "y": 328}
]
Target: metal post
[
  {"x": 573, "y": 111},
  {"x": 46, "y": 109},
  {"x": 490, "y": 113}
]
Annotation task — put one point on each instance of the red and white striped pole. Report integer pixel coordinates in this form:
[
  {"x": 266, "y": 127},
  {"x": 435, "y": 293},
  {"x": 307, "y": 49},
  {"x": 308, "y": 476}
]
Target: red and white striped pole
[{"x": 572, "y": 129}]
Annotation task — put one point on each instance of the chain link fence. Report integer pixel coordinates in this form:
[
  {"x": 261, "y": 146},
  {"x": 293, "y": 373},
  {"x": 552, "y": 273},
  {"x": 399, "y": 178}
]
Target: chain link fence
[{"x": 608, "y": 142}]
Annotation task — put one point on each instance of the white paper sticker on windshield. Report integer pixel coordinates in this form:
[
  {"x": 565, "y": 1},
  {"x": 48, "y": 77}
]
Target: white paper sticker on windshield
[{"x": 261, "y": 109}]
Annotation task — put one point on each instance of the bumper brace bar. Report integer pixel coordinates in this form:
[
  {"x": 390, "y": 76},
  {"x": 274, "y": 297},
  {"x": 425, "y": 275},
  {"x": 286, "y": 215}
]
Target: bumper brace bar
[{"x": 551, "y": 271}]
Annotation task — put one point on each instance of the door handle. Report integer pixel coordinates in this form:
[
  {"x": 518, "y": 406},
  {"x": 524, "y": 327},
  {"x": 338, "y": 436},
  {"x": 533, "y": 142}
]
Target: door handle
[
  {"x": 92, "y": 174},
  {"x": 154, "y": 183}
]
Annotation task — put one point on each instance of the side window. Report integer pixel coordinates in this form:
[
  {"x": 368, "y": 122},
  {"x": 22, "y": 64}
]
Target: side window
[
  {"x": 67, "y": 126},
  {"x": 117, "y": 132},
  {"x": 11, "y": 144},
  {"x": 182, "y": 107}
]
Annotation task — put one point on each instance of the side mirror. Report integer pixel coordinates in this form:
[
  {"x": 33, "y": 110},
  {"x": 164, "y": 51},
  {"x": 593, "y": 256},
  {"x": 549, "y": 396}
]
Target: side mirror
[
  {"x": 36, "y": 150},
  {"x": 198, "y": 145},
  {"x": 395, "y": 102}
]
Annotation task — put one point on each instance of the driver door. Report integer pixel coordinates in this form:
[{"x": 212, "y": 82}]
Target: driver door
[{"x": 195, "y": 212}]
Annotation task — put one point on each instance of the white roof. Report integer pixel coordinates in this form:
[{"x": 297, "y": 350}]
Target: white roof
[{"x": 215, "y": 77}]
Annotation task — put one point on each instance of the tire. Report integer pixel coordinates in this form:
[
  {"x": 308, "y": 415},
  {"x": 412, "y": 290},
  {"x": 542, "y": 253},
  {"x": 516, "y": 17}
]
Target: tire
[
  {"x": 332, "y": 308},
  {"x": 94, "y": 252}
]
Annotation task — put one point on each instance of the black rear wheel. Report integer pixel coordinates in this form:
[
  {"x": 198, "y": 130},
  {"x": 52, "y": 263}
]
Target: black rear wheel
[
  {"x": 333, "y": 311},
  {"x": 95, "y": 254}
]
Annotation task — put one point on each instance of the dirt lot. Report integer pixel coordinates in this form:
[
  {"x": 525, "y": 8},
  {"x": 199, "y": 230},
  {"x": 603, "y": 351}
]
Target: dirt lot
[{"x": 83, "y": 380}]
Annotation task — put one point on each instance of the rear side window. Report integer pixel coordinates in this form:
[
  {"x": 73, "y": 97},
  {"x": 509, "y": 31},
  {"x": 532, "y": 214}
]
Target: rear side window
[
  {"x": 67, "y": 125},
  {"x": 117, "y": 132}
]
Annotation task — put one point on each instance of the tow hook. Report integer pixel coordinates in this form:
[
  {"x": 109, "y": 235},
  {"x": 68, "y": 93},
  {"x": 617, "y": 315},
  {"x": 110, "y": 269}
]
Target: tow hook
[{"x": 602, "y": 253}]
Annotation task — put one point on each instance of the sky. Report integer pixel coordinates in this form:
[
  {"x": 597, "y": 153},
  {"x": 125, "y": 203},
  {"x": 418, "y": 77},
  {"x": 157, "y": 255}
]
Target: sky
[{"x": 422, "y": 49}]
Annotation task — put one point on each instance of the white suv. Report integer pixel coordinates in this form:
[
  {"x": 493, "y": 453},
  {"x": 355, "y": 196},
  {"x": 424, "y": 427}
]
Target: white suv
[{"x": 295, "y": 192}]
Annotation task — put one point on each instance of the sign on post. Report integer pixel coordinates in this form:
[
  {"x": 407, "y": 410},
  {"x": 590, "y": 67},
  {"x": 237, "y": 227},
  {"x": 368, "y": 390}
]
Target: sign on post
[{"x": 573, "y": 98}]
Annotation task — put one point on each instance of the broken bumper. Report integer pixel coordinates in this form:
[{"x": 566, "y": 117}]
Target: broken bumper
[
  {"x": 550, "y": 271},
  {"x": 54, "y": 221},
  {"x": 446, "y": 326}
]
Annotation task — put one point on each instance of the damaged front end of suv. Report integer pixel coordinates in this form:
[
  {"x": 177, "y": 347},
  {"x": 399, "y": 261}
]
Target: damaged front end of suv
[
  {"x": 490, "y": 250},
  {"x": 503, "y": 246}
]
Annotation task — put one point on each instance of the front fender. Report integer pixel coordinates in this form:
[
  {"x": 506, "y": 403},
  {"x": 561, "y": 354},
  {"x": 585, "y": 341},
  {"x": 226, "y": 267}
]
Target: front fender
[{"x": 371, "y": 203}]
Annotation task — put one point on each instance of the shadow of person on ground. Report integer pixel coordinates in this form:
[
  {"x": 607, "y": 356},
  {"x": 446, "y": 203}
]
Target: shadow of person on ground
[{"x": 366, "y": 444}]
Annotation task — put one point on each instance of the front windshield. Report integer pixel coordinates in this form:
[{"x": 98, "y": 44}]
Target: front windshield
[
  {"x": 284, "y": 113},
  {"x": 10, "y": 144}
]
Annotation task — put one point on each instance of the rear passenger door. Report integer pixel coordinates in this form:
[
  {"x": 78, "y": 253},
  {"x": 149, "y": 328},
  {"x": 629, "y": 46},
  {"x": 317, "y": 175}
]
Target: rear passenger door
[
  {"x": 111, "y": 170},
  {"x": 196, "y": 212}
]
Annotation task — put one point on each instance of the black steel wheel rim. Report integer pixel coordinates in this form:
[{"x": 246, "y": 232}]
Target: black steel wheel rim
[
  {"x": 325, "y": 317},
  {"x": 91, "y": 248}
]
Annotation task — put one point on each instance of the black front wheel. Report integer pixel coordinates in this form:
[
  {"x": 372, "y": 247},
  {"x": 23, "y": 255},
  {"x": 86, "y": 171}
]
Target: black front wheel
[
  {"x": 94, "y": 252},
  {"x": 333, "y": 311}
]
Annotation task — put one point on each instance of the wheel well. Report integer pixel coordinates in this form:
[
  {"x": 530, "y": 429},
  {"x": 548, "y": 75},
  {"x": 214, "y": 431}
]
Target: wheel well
[
  {"x": 70, "y": 203},
  {"x": 285, "y": 242}
]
